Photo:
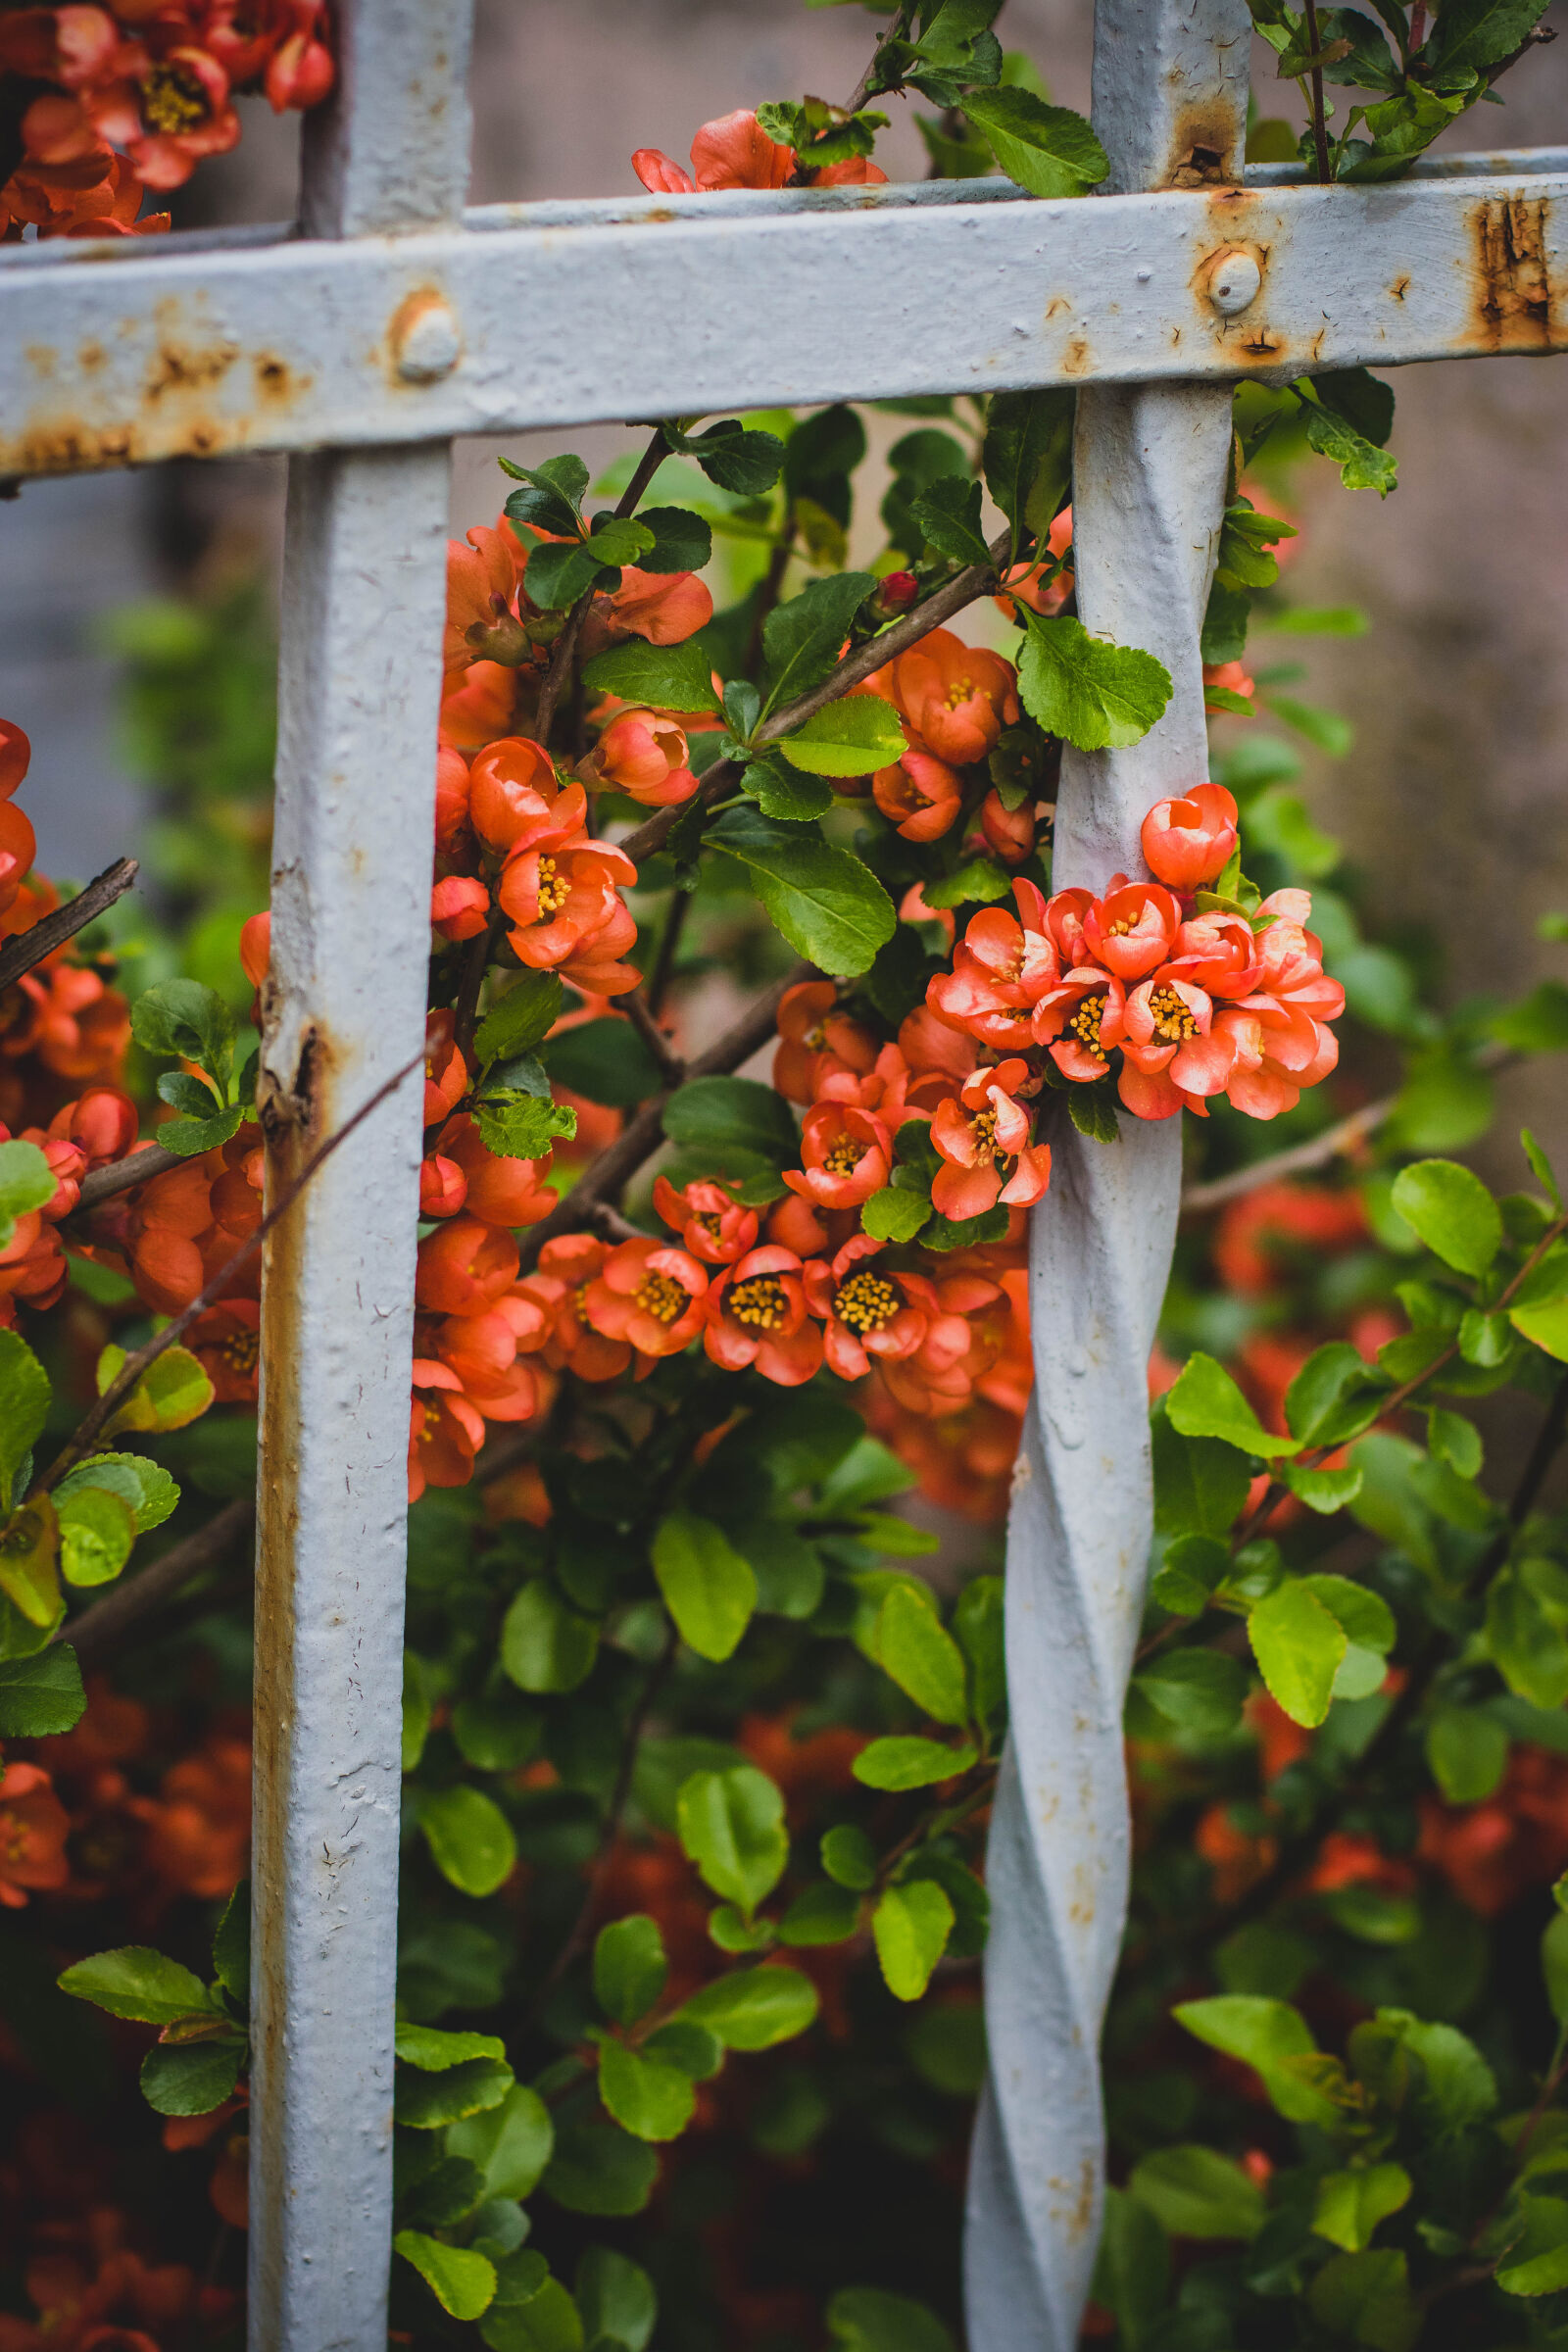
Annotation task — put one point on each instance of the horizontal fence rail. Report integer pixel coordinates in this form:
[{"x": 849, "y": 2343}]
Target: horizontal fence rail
[{"x": 674, "y": 307}]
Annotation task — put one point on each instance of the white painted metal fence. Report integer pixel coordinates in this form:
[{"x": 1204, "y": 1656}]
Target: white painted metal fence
[{"x": 391, "y": 320}]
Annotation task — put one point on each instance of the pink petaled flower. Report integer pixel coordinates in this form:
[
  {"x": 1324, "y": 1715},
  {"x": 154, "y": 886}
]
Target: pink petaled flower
[
  {"x": 172, "y": 108},
  {"x": 1187, "y": 841},
  {"x": 643, "y": 753},
  {"x": 847, "y": 1156},
  {"x": 757, "y": 1314},
  {"x": 460, "y": 906},
  {"x": 1001, "y": 971},
  {"x": 483, "y": 1351},
  {"x": 1170, "y": 1050},
  {"x": 443, "y": 1186},
  {"x": 482, "y": 597},
  {"x": 866, "y": 1313},
  {"x": 648, "y": 1295},
  {"x": 814, "y": 1039},
  {"x": 963, "y": 1340},
  {"x": 1218, "y": 953},
  {"x": 1291, "y": 959},
  {"x": 1132, "y": 929},
  {"x": 883, "y": 1090},
  {"x": 514, "y": 796},
  {"x": 1009, "y": 832},
  {"x": 976, "y": 1135},
  {"x": 920, "y": 795},
  {"x": 1080, "y": 1019},
  {"x": 956, "y": 697},
  {"x": 711, "y": 1225},
  {"x": 1063, "y": 922},
  {"x": 1277, "y": 1051},
  {"x": 664, "y": 608}
]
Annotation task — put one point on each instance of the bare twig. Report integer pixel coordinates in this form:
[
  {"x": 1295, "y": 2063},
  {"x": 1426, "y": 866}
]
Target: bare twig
[
  {"x": 564, "y": 652},
  {"x": 658, "y": 979},
  {"x": 123, "y": 1175},
  {"x": 114, "y": 1396},
  {"x": 100, "y": 1628},
  {"x": 897, "y": 30},
  {"x": 639, "y": 1013},
  {"x": 28, "y": 947},
  {"x": 642, "y": 1136},
  {"x": 1320, "y": 130}
]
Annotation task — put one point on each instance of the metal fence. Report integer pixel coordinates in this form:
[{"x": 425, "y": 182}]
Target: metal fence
[{"x": 362, "y": 341}]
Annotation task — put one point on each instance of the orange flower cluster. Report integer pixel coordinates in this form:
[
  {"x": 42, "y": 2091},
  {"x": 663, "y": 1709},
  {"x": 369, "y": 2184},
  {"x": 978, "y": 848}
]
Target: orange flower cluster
[
  {"x": 735, "y": 151},
  {"x": 954, "y": 701},
  {"x": 137, "y": 92},
  {"x": 1198, "y": 1001}
]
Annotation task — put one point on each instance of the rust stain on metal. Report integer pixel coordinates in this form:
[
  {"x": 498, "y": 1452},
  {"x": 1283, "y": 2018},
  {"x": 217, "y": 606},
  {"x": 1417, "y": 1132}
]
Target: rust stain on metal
[
  {"x": 178, "y": 368},
  {"x": 41, "y": 358},
  {"x": 90, "y": 358},
  {"x": 1513, "y": 295},
  {"x": 1058, "y": 302},
  {"x": 1400, "y": 288},
  {"x": 1202, "y": 147},
  {"x": 66, "y": 445},
  {"x": 1076, "y": 359},
  {"x": 275, "y": 380}
]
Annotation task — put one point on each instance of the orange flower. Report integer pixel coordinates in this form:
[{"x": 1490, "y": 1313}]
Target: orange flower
[
  {"x": 171, "y": 109},
  {"x": 228, "y": 1340},
  {"x": 985, "y": 1127},
  {"x": 33, "y": 1827},
  {"x": 445, "y": 1431},
  {"x": 560, "y": 1283},
  {"x": 649, "y": 1295},
  {"x": 866, "y": 1313},
  {"x": 101, "y": 1123},
  {"x": 1258, "y": 1235},
  {"x": 846, "y": 1154},
  {"x": 199, "y": 1825},
  {"x": 1187, "y": 841},
  {"x": 814, "y": 1039},
  {"x": 516, "y": 796},
  {"x": 446, "y": 1073},
  {"x": 1009, "y": 832},
  {"x": 482, "y": 598},
  {"x": 497, "y": 1191},
  {"x": 643, "y": 753},
  {"x": 1080, "y": 1019},
  {"x": 1002, "y": 969},
  {"x": 1231, "y": 677},
  {"x": 1131, "y": 928},
  {"x": 735, "y": 151},
  {"x": 711, "y": 1225},
  {"x": 485, "y": 1353},
  {"x": 465, "y": 1267},
  {"x": 567, "y": 914},
  {"x": 963, "y": 1337},
  {"x": 460, "y": 906},
  {"x": 956, "y": 697},
  {"x": 1023, "y": 580},
  {"x": 663, "y": 607},
  {"x": 757, "y": 1314},
  {"x": 920, "y": 795}
]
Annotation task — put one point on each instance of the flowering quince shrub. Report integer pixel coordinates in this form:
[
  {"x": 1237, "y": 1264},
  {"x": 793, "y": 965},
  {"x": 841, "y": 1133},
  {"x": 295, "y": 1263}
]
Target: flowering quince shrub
[
  {"x": 102, "y": 105},
  {"x": 698, "y": 1755}
]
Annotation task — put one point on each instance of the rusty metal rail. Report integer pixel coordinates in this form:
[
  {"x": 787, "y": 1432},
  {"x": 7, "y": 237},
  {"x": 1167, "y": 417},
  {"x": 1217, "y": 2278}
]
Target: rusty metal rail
[{"x": 388, "y": 321}]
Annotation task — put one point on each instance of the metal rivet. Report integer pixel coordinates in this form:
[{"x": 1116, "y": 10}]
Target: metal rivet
[
  {"x": 426, "y": 341},
  {"x": 1234, "y": 280}
]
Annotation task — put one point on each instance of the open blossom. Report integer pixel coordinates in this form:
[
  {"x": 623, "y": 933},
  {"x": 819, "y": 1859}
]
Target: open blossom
[
  {"x": 1131, "y": 928},
  {"x": 1079, "y": 1020},
  {"x": 560, "y": 1283},
  {"x": 711, "y": 1225},
  {"x": 33, "y": 1827},
  {"x": 1187, "y": 841},
  {"x": 649, "y": 1295},
  {"x": 976, "y": 1137},
  {"x": 865, "y": 1311},
  {"x": 757, "y": 1314},
  {"x": 465, "y": 1267},
  {"x": 483, "y": 577},
  {"x": 1002, "y": 967},
  {"x": 663, "y": 608},
  {"x": 956, "y": 697},
  {"x": 920, "y": 795},
  {"x": 735, "y": 151},
  {"x": 846, "y": 1156},
  {"x": 816, "y": 1038},
  {"x": 643, "y": 753}
]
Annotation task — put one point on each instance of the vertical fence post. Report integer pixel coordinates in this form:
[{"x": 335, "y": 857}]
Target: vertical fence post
[
  {"x": 1170, "y": 86},
  {"x": 359, "y": 688}
]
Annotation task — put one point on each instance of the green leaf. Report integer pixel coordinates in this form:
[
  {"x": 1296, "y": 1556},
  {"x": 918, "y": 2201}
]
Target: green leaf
[
  {"x": 1366, "y": 2299},
  {"x": 789, "y": 1570},
  {"x": 616, "y": 539},
  {"x": 617, "y": 2299},
  {"x": 426, "y": 2102},
  {"x": 895, "y": 1214},
  {"x": 546, "y": 1645},
  {"x": 191, "y": 2078},
  {"x": 1541, "y": 1167},
  {"x": 552, "y": 499},
  {"x": 1199, "y": 1690},
  {"x": 670, "y": 677},
  {"x": 184, "y": 1019},
  {"x": 25, "y": 1394},
  {"x": 1088, "y": 690},
  {"x": 1325, "y": 1490},
  {"x": 829, "y": 905},
  {"x": 802, "y": 640},
  {"x": 921, "y": 1656},
  {"x": 745, "y": 462},
  {"x": 607, "y": 1061},
  {"x": 1362, "y": 465},
  {"x": 28, "y": 1578},
  {"x": 533, "y": 2312},
  {"x": 1452, "y": 1211},
  {"x": 867, "y": 2318},
  {"x": 975, "y": 882},
  {"x": 1299, "y": 1647},
  {"x": 911, "y": 1927},
  {"x": 1536, "y": 2262},
  {"x": 848, "y": 1857},
  {"x": 978, "y": 1623},
  {"x": 1473, "y": 34},
  {"x": 820, "y": 1914},
  {"x": 909, "y": 1763},
  {"x": 41, "y": 1694},
  {"x": 1028, "y": 455},
  {"x": 709, "y": 1588},
  {"x": 1046, "y": 149},
  {"x": 1197, "y": 2193},
  {"x": 1200, "y": 1484},
  {"x": 1467, "y": 1751},
  {"x": 1364, "y": 1614},
  {"x": 1205, "y": 1403},
  {"x": 231, "y": 1945},
  {"x": 630, "y": 1968},
  {"x": 1527, "y": 1648},
  {"x": 1334, "y": 1397},
  {"x": 27, "y": 1183},
  {"x": 1193, "y": 1566},
  {"x": 1350, "y": 2204},
  {"x": 145, "y": 1485},
  {"x": 1093, "y": 1112},
  {"x": 97, "y": 1530},
  {"x": 510, "y": 2142},
  {"x": 1545, "y": 1326},
  {"x": 138, "y": 1983},
  {"x": 782, "y": 793},
  {"x": 522, "y": 1126},
  {"x": 517, "y": 1021},
  {"x": 1266, "y": 2034},
  {"x": 734, "y": 1123},
  {"x": 851, "y": 737},
  {"x": 948, "y": 512},
  {"x": 172, "y": 1393},
  {"x": 731, "y": 1825},
  {"x": 433, "y": 2052},
  {"x": 469, "y": 1837},
  {"x": 1132, "y": 2267},
  {"x": 647, "y": 2097},
  {"x": 560, "y": 571},
  {"x": 461, "y": 2282},
  {"x": 755, "y": 2008}
]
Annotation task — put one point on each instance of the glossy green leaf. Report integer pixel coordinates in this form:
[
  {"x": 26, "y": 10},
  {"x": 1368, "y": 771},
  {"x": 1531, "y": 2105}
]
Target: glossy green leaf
[
  {"x": 191, "y": 2078},
  {"x": 1451, "y": 1210},
  {"x": 670, "y": 677},
  {"x": 26, "y": 1182},
  {"x": 426, "y": 2102},
  {"x": 1299, "y": 1646},
  {"x": 1199, "y": 1690},
  {"x": 517, "y": 1021},
  {"x": 709, "y": 1588},
  {"x": 461, "y": 2282},
  {"x": 921, "y": 1656},
  {"x": 617, "y": 2299},
  {"x": 24, "y": 1394},
  {"x": 755, "y": 2008},
  {"x": 630, "y": 1968},
  {"x": 1088, "y": 690},
  {"x": 97, "y": 1530},
  {"x": 544, "y": 1644},
  {"x": 868, "y": 2319},
  {"x": 802, "y": 639},
  {"x": 647, "y": 2097},
  {"x": 1197, "y": 2193},
  {"x": 829, "y": 905},
  {"x": 911, "y": 1927},
  {"x": 909, "y": 1763},
  {"x": 471, "y": 1839},
  {"x": 138, "y": 1983},
  {"x": 40, "y": 1694},
  {"x": 1350, "y": 2204},
  {"x": 731, "y": 1826},
  {"x": 510, "y": 2142},
  {"x": 851, "y": 737},
  {"x": 1205, "y": 1403},
  {"x": 1046, "y": 149}
]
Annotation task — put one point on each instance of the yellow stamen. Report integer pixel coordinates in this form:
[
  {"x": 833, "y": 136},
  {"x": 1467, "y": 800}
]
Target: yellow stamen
[
  {"x": 1173, "y": 1021},
  {"x": 662, "y": 1297},
  {"x": 866, "y": 1302},
  {"x": 1085, "y": 1025},
  {"x": 760, "y": 1302},
  {"x": 173, "y": 100},
  {"x": 554, "y": 889},
  {"x": 844, "y": 1156}
]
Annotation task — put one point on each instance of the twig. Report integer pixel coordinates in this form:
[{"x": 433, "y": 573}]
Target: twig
[
  {"x": 964, "y": 587},
  {"x": 28, "y": 947},
  {"x": 640, "y": 1014},
  {"x": 1320, "y": 133},
  {"x": 663, "y": 971},
  {"x": 123, "y": 1175},
  {"x": 1332, "y": 1144},
  {"x": 897, "y": 30},
  {"x": 564, "y": 652},
  {"x": 131, "y": 1372},
  {"x": 474, "y": 966},
  {"x": 642, "y": 1136},
  {"x": 100, "y": 1628}
]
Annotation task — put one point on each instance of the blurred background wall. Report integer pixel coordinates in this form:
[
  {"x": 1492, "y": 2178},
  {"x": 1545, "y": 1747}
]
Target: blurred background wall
[{"x": 1454, "y": 796}]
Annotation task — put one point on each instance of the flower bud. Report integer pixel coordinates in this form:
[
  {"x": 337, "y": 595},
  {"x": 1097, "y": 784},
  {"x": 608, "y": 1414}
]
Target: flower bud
[
  {"x": 1187, "y": 842},
  {"x": 644, "y": 754},
  {"x": 895, "y": 594},
  {"x": 1010, "y": 832}
]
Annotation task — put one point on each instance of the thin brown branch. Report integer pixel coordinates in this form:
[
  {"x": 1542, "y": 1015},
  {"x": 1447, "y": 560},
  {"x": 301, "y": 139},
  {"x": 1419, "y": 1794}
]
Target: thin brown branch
[
  {"x": 642, "y": 1136},
  {"x": 965, "y": 588},
  {"x": 28, "y": 947},
  {"x": 95, "y": 1422},
  {"x": 1320, "y": 130},
  {"x": 123, "y": 1175},
  {"x": 639, "y": 1013},
  {"x": 100, "y": 1630},
  {"x": 564, "y": 652},
  {"x": 658, "y": 979},
  {"x": 897, "y": 30}
]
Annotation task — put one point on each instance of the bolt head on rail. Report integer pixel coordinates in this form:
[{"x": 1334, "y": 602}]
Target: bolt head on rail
[
  {"x": 426, "y": 340},
  {"x": 1234, "y": 280}
]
